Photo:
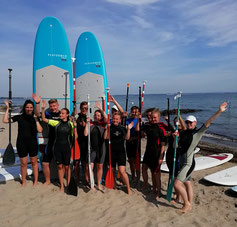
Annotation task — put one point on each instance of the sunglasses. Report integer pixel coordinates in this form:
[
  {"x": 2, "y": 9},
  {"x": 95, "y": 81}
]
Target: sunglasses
[
  {"x": 189, "y": 122},
  {"x": 84, "y": 108}
]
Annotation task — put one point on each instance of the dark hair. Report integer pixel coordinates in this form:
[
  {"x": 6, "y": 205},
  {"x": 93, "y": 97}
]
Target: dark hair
[
  {"x": 134, "y": 107},
  {"x": 83, "y": 104},
  {"x": 28, "y": 101},
  {"x": 102, "y": 116}
]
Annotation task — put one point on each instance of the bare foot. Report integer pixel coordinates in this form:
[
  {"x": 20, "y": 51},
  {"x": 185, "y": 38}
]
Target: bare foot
[
  {"x": 174, "y": 201},
  {"x": 46, "y": 183},
  {"x": 23, "y": 184},
  {"x": 62, "y": 189},
  {"x": 187, "y": 207},
  {"x": 129, "y": 191},
  {"x": 35, "y": 184}
]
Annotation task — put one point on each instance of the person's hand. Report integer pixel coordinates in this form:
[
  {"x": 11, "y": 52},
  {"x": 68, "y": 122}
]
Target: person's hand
[
  {"x": 36, "y": 98},
  {"x": 223, "y": 107},
  {"x": 111, "y": 98},
  {"x": 88, "y": 119},
  {"x": 43, "y": 104},
  {"x": 130, "y": 125},
  {"x": 168, "y": 133},
  {"x": 176, "y": 133},
  {"x": 98, "y": 105},
  {"x": 6, "y": 103},
  {"x": 125, "y": 114}
]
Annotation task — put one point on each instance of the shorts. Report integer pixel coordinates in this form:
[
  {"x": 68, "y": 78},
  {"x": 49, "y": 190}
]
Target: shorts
[
  {"x": 48, "y": 153},
  {"x": 98, "y": 156},
  {"x": 62, "y": 154},
  {"x": 83, "y": 151},
  {"x": 131, "y": 148},
  {"x": 118, "y": 157},
  {"x": 185, "y": 171},
  {"x": 152, "y": 161},
  {"x": 27, "y": 147}
]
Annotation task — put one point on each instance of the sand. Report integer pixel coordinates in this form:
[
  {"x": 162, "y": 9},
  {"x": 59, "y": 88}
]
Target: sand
[{"x": 45, "y": 206}]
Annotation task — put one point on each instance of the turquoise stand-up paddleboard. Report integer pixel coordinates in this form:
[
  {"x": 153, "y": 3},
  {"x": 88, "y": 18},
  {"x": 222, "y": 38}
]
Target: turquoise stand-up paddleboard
[
  {"x": 52, "y": 67},
  {"x": 90, "y": 70}
]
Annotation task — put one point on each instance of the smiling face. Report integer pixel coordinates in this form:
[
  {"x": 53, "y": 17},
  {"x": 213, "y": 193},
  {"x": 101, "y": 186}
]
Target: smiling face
[
  {"x": 135, "y": 113},
  {"x": 64, "y": 115},
  {"x": 191, "y": 124},
  {"x": 29, "y": 108},
  {"x": 84, "y": 109},
  {"x": 97, "y": 116},
  {"x": 54, "y": 107},
  {"x": 155, "y": 118},
  {"x": 116, "y": 119}
]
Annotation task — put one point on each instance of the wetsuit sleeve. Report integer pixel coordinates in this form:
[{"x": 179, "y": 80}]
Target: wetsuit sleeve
[
  {"x": 15, "y": 118},
  {"x": 162, "y": 136},
  {"x": 53, "y": 122}
]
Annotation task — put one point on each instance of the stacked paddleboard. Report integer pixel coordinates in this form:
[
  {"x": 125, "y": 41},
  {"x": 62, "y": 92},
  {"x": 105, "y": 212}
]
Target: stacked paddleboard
[
  {"x": 11, "y": 172},
  {"x": 90, "y": 71},
  {"x": 205, "y": 162}
]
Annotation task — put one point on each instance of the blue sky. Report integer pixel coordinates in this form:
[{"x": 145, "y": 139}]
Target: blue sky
[{"x": 187, "y": 45}]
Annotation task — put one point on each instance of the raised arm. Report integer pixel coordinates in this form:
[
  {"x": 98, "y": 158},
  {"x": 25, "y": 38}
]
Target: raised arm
[
  {"x": 112, "y": 99},
  {"x": 127, "y": 137},
  {"x": 222, "y": 108},
  {"x": 43, "y": 106},
  {"x": 98, "y": 105},
  {"x": 37, "y": 99},
  {"x": 5, "y": 117},
  {"x": 38, "y": 125}
]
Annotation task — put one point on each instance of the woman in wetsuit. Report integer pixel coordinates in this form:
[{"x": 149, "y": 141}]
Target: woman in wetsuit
[
  {"x": 97, "y": 128},
  {"x": 118, "y": 135},
  {"x": 63, "y": 142},
  {"x": 28, "y": 126},
  {"x": 188, "y": 140}
]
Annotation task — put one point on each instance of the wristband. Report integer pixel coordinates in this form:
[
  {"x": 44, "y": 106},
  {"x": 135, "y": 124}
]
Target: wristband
[{"x": 37, "y": 102}]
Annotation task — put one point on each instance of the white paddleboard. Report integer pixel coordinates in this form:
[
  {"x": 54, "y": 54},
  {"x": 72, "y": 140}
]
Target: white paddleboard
[
  {"x": 234, "y": 188},
  {"x": 227, "y": 177},
  {"x": 11, "y": 173},
  {"x": 206, "y": 162}
]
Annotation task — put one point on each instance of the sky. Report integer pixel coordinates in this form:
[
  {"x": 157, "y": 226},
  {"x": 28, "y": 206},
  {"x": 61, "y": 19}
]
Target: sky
[{"x": 175, "y": 45}]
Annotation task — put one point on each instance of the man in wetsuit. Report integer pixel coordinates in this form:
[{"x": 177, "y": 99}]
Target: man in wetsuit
[
  {"x": 52, "y": 113},
  {"x": 188, "y": 140}
]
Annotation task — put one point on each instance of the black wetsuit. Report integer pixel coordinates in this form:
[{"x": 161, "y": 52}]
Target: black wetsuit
[
  {"x": 155, "y": 137},
  {"x": 27, "y": 135},
  {"x": 63, "y": 141},
  {"x": 118, "y": 154},
  {"x": 48, "y": 155},
  {"x": 82, "y": 140}
]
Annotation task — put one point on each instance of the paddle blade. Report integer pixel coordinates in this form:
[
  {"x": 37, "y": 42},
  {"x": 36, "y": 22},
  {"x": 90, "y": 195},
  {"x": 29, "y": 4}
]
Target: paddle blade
[
  {"x": 77, "y": 151},
  {"x": 9, "y": 156},
  {"x": 91, "y": 177},
  {"x": 72, "y": 187},
  {"x": 109, "y": 179},
  {"x": 170, "y": 191}
]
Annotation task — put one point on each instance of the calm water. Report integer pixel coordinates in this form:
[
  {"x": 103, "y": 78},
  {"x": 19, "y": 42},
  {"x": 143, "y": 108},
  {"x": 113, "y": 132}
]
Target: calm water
[{"x": 223, "y": 130}]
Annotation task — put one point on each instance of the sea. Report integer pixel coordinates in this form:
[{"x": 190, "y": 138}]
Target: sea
[{"x": 223, "y": 131}]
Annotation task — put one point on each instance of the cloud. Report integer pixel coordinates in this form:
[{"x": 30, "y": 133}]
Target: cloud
[
  {"x": 133, "y": 2},
  {"x": 215, "y": 20}
]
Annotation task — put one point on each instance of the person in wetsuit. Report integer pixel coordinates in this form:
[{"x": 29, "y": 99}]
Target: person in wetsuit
[
  {"x": 52, "y": 113},
  {"x": 63, "y": 142},
  {"x": 97, "y": 143},
  {"x": 28, "y": 126},
  {"x": 118, "y": 135},
  {"x": 188, "y": 140}
]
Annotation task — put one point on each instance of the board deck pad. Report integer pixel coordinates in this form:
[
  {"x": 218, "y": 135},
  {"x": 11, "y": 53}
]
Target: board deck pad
[
  {"x": 227, "y": 177},
  {"x": 11, "y": 173},
  {"x": 205, "y": 162},
  {"x": 90, "y": 72},
  {"x": 52, "y": 67}
]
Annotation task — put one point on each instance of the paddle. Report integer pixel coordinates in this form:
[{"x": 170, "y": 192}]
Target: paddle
[
  {"x": 141, "y": 100},
  {"x": 92, "y": 182},
  {"x": 66, "y": 75},
  {"x": 109, "y": 178},
  {"x": 9, "y": 155},
  {"x": 72, "y": 187},
  {"x": 171, "y": 183},
  {"x": 126, "y": 107}
]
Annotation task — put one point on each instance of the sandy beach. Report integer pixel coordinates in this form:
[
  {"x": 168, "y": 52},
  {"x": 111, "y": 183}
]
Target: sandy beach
[{"x": 213, "y": 205}]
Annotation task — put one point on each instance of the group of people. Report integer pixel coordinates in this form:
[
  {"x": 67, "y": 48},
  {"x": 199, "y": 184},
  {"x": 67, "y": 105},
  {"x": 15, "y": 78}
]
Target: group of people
[{"x": 125, "y": 135}]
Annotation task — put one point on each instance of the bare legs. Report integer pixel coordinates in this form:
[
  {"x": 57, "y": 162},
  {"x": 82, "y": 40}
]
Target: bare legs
[
  {"x": 186, "y": 193},
  {"x": 46, "y": 171},
  {"x": 24, "y": 169}
]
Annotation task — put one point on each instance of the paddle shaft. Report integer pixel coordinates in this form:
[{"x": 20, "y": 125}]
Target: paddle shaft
[
  {"x": 108, "y": 127},
  {"x": 10, "y": 103},
  {"x": 170, "y": 187},
  {"x": 126, "y": 106},
  {"x": 74, "y": 106}
]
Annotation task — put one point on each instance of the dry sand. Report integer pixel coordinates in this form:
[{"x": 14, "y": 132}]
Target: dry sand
[{"x": 45, "y": 206}]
